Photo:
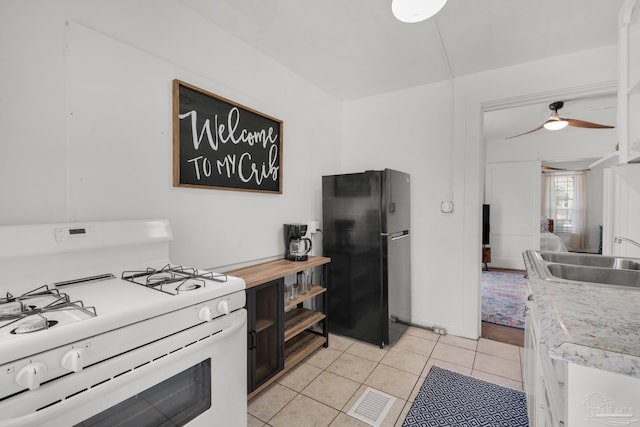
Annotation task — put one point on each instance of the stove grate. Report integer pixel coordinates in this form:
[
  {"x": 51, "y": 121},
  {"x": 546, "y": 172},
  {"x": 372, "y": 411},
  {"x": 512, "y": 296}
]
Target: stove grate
[
  {"x": 38, "y": 302},
  {"x": 167, "y": 276}
]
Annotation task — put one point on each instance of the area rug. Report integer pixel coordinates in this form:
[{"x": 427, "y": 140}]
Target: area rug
[
  {"x": 504, "y": 298},
  {"x": 450, "y": 399}
]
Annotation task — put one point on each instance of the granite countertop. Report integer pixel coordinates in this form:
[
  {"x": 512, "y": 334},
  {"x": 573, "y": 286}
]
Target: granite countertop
[{"x": 587, "y": 324}]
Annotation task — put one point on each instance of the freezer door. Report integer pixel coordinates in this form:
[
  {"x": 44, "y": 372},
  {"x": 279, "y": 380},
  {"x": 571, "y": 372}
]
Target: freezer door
[
  {"x": 397, "y": 276},
  {"x": 396, "y": 204}
]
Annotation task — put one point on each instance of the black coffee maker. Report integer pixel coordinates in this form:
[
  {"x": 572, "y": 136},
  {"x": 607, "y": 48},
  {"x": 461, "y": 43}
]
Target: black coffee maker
[{"x": 296, "y": 247}]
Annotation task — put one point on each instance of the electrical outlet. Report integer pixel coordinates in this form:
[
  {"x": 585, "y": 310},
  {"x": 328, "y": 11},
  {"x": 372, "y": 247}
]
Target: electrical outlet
[{"x": 446, "y": 207}]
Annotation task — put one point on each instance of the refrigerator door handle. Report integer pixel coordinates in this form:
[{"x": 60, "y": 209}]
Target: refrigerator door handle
[{"x": 402, "y": 236}]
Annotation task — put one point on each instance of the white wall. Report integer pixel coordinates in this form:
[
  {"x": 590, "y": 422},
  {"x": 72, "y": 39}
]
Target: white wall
[
  {"x": 86, "y": 124},
  {"x": 512, "y": 189},
  {"x": 55, "y": 167},
  {"x": 410, "y": 130},
  {"x": 595, "y": 202}
]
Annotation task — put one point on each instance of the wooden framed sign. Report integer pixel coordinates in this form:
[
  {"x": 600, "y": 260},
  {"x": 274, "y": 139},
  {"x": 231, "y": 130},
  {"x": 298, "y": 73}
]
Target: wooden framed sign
[{"x": 220, "y": 144}]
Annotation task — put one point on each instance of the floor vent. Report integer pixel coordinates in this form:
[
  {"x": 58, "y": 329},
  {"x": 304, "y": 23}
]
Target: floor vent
[{"x": 372, "y": 407}]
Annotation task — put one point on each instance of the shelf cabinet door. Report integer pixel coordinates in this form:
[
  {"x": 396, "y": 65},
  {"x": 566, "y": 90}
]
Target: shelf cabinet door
[
  {"x": 265, "y": 304},
  {"x": 530, "y": 373},
  {"x": 629, "y": 82}
]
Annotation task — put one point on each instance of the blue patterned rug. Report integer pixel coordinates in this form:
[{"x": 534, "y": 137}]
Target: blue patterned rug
[
  {"x": 450, "y": 399},
  {"x": 504, "y": 298}
]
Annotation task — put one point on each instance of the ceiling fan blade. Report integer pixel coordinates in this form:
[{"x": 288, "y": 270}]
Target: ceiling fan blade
[
  {"x": 583, "y": 124},
  {"x": 532, "y": 130},
  {"x": 551, "y": 168}
]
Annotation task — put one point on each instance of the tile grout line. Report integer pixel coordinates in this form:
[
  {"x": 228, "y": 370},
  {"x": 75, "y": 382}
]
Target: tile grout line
[{"x": 377, "y": 364}]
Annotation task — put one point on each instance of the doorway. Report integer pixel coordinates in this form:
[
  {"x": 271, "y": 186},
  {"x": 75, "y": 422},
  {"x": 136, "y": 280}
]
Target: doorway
[{"x": 514, "y": 164}]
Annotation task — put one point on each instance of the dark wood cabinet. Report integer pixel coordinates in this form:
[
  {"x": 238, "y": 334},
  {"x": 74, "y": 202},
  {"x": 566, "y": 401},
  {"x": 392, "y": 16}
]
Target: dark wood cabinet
[
  {"x": 282, "y": 333},
  {"x": 486, "y": 257},
  {"x": 265, "y": 323}
]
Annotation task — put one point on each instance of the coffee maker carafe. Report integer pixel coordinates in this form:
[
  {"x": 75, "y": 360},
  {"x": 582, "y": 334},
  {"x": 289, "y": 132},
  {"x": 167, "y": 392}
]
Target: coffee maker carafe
[{"x": 296, "y": 247}]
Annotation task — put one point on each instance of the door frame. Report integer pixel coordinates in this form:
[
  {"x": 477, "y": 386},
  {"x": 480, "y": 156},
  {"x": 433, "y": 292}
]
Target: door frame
[{"x": 596, "y": 89}]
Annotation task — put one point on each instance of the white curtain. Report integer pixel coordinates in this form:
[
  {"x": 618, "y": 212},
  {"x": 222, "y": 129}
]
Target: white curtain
[
  {"x": 549, "y": 196},
  {"x": 576, "y": 210}
]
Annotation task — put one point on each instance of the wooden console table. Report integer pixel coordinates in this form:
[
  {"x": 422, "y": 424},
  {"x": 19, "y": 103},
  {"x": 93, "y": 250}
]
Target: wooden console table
[
  {"x": 486, "y": 256},
  {"x": 279, "y": 332}
]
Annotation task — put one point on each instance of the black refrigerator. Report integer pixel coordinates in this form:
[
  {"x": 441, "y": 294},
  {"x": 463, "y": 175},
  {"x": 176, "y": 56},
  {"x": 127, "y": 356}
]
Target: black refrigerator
[{"x": 366, "y": 233}]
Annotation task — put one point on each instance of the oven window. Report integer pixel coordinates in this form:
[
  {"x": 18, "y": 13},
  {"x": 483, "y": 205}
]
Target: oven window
[{"x": 173, "y": 402}]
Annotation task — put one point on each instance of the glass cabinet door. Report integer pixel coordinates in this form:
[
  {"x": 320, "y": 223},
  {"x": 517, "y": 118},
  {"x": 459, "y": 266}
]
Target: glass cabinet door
[{"x": 266, "y": 346}]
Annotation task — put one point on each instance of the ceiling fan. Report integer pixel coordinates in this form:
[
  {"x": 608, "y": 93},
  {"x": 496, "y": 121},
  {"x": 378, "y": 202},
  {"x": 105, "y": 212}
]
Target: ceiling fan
[
  {"x": 554, "y": 122},
  {"x": 551, "y": 168}
]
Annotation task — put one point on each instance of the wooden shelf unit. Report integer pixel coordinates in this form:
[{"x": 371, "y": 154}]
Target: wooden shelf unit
[
  {"x": 301, "y": 346},
  {"x": 299, "y": 320},
  {"x": 314, "y": 291},
  {"x": 263, "y": 324},
  {"x": 300, "y": 337}
]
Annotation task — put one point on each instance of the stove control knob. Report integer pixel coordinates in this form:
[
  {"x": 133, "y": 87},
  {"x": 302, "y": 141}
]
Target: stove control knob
[
  {"x": 205, "y": 314},
  {"x": 223, "y": 306},
  {"x": 73, "y": 359},
  {"x": 31, "y": 375}
]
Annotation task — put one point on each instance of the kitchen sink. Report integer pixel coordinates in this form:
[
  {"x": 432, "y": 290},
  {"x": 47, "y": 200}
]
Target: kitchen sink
[
  {"x": 601, "y": 275},
  {"x": 590, "y": 260},
  {"x": 562, "y": 267}
]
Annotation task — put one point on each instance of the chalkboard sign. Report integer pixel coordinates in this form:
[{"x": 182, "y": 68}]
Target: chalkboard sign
[{"x": 220, "y": 144}]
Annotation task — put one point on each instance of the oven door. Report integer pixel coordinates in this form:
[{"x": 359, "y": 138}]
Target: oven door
[{"x": 197, "y": 377}]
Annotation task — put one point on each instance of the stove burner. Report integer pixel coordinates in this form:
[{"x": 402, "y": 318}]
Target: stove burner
[
  {"x": 34, "y": 324},
  {"x": 187, "y": 286}
]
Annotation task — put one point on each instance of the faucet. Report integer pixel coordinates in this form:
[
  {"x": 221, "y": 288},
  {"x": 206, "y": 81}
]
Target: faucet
[{"x": 619, "y": 239}]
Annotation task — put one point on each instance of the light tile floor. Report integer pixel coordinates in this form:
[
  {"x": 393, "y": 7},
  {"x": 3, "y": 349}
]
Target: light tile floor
[{"x": 321, "y": 390}]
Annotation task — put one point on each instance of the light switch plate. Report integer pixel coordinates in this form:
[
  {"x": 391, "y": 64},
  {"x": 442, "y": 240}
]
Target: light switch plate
[{"x": 446, "y": 207}]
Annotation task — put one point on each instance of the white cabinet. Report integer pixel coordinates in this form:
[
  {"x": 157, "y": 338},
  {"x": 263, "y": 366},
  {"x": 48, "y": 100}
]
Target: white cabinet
[
  {"x": 531, "y": 363},
  {"x": 621, "y": 207},
  {"x": 600, "y": 398},
  {"x": 545, "y": 378},
  {"x": 629, "y": 82},
  {"x": 563, "y": 394}
]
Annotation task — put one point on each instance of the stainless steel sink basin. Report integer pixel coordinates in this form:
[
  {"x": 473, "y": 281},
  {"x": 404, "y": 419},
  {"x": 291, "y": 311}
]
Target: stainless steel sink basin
[
  {"x": 591, "y": 269},
  {"x": 590, "y": 260},
  {"x": 627, "y": 264},
  {"x": 602, "y": 275}
]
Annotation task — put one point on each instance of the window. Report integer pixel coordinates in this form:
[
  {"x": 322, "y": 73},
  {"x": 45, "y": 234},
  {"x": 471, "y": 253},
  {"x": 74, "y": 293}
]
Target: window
[
  {"x": 564, "y": 192},
  {"x": 564, "y": 200}
]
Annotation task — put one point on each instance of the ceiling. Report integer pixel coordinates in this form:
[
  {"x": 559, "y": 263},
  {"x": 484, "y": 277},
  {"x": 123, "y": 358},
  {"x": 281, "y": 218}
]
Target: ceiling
[{"x": 356, "y": 48}]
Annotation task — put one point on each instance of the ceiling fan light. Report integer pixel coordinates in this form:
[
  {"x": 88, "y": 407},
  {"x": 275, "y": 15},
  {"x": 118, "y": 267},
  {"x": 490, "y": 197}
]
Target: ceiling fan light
[
  {"x": 555, "y": 124},
  {"x": 411, "y": 11}
]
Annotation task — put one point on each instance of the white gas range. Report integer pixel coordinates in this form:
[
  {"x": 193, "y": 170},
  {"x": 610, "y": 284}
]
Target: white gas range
[{"x": 97, "y": 327}]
